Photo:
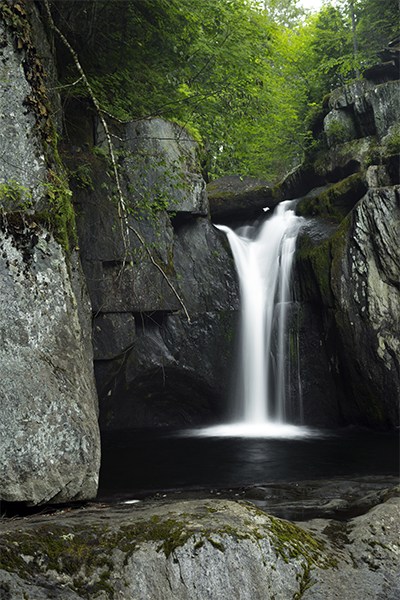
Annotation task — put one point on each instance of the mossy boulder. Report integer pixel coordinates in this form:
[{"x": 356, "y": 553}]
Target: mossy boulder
[
  {"x": 234, "y": 198},
  {"x": 49, "y": 435},
  {"x": 199, "y": 550},
  {"x": 335, "y": 202}
]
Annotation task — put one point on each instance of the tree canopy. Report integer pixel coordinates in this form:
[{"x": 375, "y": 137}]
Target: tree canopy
[{"x": 242, "y": 75}]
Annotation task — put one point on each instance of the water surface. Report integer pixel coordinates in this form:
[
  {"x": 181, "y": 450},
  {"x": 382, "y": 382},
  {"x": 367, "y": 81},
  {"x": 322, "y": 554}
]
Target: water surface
[{"x": 143, "y": 461}]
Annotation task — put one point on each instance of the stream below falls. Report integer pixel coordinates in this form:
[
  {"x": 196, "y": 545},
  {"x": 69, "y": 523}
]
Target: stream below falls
[{"x": 140, "y": 463}]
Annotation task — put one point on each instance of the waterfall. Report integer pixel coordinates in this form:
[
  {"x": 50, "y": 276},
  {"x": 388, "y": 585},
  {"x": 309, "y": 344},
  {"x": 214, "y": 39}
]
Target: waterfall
[
  {"x": 263, "y": 260},
  {"x": 264, "y": 265}
]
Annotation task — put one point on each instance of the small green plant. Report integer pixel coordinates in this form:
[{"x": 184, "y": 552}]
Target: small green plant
[
  {"x": 16, "y": 194},
  {"x": 338, "y": 132},
  {"x": 393, "y": 146},
  {"x": 100, "y": 152},
  {"x": 61, "y": 215},
  {"x": 82, "y": 176},
  {"x": 311, "y": 145}
]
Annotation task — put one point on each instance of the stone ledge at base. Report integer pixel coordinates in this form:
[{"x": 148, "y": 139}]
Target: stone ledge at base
[{"x": 199, "y": 550}]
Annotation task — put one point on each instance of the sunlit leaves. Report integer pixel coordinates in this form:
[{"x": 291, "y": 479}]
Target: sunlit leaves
[{"x": 242, "y": 74}]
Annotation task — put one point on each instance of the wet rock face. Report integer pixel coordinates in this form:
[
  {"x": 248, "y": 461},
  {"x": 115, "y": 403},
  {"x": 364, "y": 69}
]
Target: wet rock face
[
  {"x": 176, "y": 373},
  {"x": 349, "y": 281},
  {"x": 366, "y": 286},
  {"x": 152, "y": 366},
  {"x": 349, "y": 335},
  {"x": 49, "y": 436}
]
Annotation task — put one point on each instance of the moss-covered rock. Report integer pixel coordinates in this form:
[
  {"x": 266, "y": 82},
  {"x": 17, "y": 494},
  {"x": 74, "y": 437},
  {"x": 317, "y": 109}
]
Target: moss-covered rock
[
  {"x": 198, "y": 550},
  {"x": 49, "y": 437},
  {"x": 234, "y": 198},
  {"x": 351, "y": 281},
  {"x": 335, "y": 202}
]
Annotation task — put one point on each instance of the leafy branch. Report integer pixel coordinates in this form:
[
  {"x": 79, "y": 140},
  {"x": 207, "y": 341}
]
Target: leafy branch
[{"x": 122, "y": 206}]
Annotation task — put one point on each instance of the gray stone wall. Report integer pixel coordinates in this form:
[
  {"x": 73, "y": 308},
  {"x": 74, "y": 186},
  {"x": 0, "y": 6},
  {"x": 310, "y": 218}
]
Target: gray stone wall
[
  {"x": 153, "y": 366},
  {"x": 49, "y": 435}
]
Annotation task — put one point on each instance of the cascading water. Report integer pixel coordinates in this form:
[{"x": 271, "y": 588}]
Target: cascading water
[{"x": 264, "y": 265}]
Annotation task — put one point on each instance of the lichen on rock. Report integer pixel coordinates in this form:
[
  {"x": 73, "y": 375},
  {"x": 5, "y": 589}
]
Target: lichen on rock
[{"x": 49, "y": 439}]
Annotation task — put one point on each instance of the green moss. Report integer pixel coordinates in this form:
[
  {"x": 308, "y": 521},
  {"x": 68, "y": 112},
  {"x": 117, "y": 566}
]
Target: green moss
[
  {"x": 199, "y": 545},
  {"x": 305, "y": 581},
  {"x": 320, "y": 264},
  {"x": 315, "y": 265},
  {"x": 66, "y": 551},
  {"x": 393, "y": 143},
  {"x": 336, "y": 202},
  {"x": 291, "y": 542},
  {"x": 83, "y": 552},
  {"x": 216, "y": 545},
  {"x": 78, "y": 551},
  {"x": 277, "y": 191}
]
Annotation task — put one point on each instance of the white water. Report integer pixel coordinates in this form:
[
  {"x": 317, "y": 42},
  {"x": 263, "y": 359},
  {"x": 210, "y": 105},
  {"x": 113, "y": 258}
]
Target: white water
[{"x": 264, "y": 265}]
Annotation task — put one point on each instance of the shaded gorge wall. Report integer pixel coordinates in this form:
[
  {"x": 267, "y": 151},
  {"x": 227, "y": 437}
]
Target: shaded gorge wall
[
  {"x": 154, "y": 367},
  {"x": 348, "y": 265}
]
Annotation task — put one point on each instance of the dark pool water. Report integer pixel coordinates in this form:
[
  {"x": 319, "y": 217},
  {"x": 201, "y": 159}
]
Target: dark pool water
[{"x": 140, "y": 462}]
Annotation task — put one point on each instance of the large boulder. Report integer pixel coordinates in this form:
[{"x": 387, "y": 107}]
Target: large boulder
[
  {"x": 200, "y": 550},
  {"x": 49, "y": 435},
  {"x": 240, "y": 198}
]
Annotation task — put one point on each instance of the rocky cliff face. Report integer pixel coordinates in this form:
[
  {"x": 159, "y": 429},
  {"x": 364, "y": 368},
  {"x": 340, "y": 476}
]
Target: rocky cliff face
[
  {"x": 49, "y": 437},
  {"x": 154, "y": 366},
  {"x": 350, "y": 282}
]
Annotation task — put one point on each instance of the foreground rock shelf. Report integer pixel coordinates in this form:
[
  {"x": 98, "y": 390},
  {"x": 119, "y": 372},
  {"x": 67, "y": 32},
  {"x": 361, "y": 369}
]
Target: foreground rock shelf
[{"x": 200, "y": 549}]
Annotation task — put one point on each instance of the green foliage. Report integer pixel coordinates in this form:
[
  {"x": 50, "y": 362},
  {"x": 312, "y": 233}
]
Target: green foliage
[
  {"x": 16, "y": 195},
  {"x": 82, "y": 176},
  {"x": 61, "y": 216},
  {"x": 241, "y": 75},
  {"x": 393, "y": 145},
  {"x": 286, "y": 13},
  {"x": 196, "y": 62},
  {"x": 338, "y": 132},
  {"x": 377, "y": 24}
]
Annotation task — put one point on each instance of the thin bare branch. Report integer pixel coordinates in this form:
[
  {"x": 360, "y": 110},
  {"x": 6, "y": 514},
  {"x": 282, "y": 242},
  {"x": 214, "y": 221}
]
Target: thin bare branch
[
  {"x": 122, "y": 213},
  {"x": 142, "y": 241}
]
